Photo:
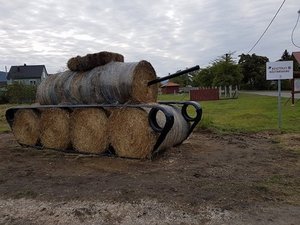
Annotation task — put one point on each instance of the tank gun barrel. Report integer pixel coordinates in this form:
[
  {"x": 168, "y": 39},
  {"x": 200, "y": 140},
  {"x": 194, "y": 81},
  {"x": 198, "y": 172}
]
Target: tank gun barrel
[{"x": 173, "y": 75}]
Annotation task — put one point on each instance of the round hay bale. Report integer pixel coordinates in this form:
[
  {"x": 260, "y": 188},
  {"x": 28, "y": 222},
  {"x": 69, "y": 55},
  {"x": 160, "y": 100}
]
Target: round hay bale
[
  {"x": 115, "y": 82},
  {"x": 90, "y": 61},
  {"x": 55, "y": 129},
  {"x": 90, "y": 92},
  {"x": 128, "y": 82},
  {"x": 130, "y": 134},
  {"x": 72, "y": 86},
  {"x": 179, "y": 131},
  {"x": 26, "y": 126},
  {"x": 141, "y": 92},
  {"x": 58, "y": 89},
  {"x": 45, "y": 94},
  {"x": 89, "y": 130},
  {"x": 51, "y": 91}
]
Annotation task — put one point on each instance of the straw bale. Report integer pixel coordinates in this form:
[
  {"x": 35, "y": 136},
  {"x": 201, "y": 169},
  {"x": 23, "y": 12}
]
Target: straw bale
[
  {"x": 128, "y": 82},
  {"x": 115, "y": 82},
  {"x": 44, "y": 93},
  {"x": 179, "y": 131},
  {"x": 88, "y": 91},
  {"x": 26, "y": 126},
  {"x": 55, "y": 128},
  {"x": 59, "y": 86},
  {"x": 72, "y": 86},
  {"x": 51, "y": 91},
  {"x": 141, "y": 92},
  {"x": 130, "y": 133},
  {"x": 89, "y": 130},
  {"x": 90, "y": 61}
]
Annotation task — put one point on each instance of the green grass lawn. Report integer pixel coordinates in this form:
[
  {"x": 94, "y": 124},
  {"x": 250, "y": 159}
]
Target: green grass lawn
[
  {"x": 3, "y": 124},
  {"x": 248, "y": 113}
]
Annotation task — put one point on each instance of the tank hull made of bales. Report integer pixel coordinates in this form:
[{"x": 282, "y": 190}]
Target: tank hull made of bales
[
  {"x": 115, "y": 82},
  {"x": 133, "y": 131}
]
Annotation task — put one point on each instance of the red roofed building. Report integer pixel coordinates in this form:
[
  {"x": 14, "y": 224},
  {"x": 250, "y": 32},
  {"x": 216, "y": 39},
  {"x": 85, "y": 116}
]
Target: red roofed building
[
  {"x": 296, "y": 55},
  {"x": 170, "y": 88}
]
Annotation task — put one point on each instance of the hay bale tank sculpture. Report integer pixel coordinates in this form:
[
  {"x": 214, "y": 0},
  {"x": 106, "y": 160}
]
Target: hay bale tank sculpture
[{"x": 102, "y": 104}]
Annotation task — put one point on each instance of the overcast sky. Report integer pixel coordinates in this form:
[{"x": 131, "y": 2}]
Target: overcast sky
[{"x": 171, "y": 35}]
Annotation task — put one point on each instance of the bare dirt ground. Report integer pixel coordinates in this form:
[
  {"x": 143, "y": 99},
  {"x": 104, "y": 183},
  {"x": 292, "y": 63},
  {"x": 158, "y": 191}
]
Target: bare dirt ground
[{"x": 209, "y": 179}]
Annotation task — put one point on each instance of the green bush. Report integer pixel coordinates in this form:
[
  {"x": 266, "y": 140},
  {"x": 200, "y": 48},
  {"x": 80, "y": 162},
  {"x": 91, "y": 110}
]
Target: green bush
[
  {"x": 3, "y": 96},
  {"x": 20, "y": 93}
]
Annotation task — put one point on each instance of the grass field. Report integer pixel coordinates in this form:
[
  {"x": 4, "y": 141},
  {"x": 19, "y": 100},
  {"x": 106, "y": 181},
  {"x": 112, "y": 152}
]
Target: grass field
[
  {"x": 248, "y": 113},
  {"x": 3, "y": 124}
]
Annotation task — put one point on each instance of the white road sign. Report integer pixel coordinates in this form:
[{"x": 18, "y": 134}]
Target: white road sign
[{"x": 280, "y": 70}]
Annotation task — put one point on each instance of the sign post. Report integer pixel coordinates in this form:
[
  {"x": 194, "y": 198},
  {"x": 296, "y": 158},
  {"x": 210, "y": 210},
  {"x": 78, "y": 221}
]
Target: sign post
[
  {"x": 279, "y": 105},
  {"x": 281, "y": 70}
]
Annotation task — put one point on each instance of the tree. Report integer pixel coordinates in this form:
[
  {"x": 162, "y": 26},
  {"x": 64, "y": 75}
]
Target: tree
[
  {"x": 184, "y": 80},
  {"x": 226, "y": 71},
  {"x": 286, "y": 56},
  {"x": 253, "y": 68},
  {"x": 223, "y": 71},
  {"x": 21, "y": 93},
  {"x": 204, "y": 78}
]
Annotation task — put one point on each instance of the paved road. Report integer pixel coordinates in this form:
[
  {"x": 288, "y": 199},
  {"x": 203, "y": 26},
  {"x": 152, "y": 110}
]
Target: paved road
[{"x": 285, "y": 94}]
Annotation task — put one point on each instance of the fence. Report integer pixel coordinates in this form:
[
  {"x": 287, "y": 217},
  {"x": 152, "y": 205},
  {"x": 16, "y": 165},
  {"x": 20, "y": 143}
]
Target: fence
[
  {"x": 204, "y": 94},
  {"x": 213, "y": 93},
  {"x": 228, "y": 92}
]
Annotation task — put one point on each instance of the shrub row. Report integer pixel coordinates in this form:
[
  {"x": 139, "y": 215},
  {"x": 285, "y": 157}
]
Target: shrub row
[{"x": 18, "y": 93}]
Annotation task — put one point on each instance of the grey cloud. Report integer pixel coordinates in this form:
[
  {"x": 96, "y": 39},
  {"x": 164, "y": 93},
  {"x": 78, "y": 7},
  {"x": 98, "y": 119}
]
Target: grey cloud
[{"x": 170, "y": 34}]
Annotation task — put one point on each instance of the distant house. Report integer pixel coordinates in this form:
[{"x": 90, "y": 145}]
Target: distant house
[
  {"x": 3, "y": 80},
  {"x": 27, "y": 74},
  {"x": 170, "y": 88}
]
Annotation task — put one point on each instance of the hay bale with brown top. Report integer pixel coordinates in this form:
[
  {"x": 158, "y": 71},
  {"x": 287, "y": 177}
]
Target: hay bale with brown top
[
  {"x": 26, "y": 126},
  {"x": 89, "y": 130},
  {"x": 131, "y": 135},
  {"x": 90, "y": 61},
  {"x": 55, "y": 132},
  {"x": 114, "y": 82}
]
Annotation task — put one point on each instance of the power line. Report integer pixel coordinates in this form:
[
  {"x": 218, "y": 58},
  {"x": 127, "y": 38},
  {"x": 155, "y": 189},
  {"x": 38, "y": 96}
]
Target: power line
[
  {"x": 267, "y": 27},
  {"x": 292, "y": 35}
]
